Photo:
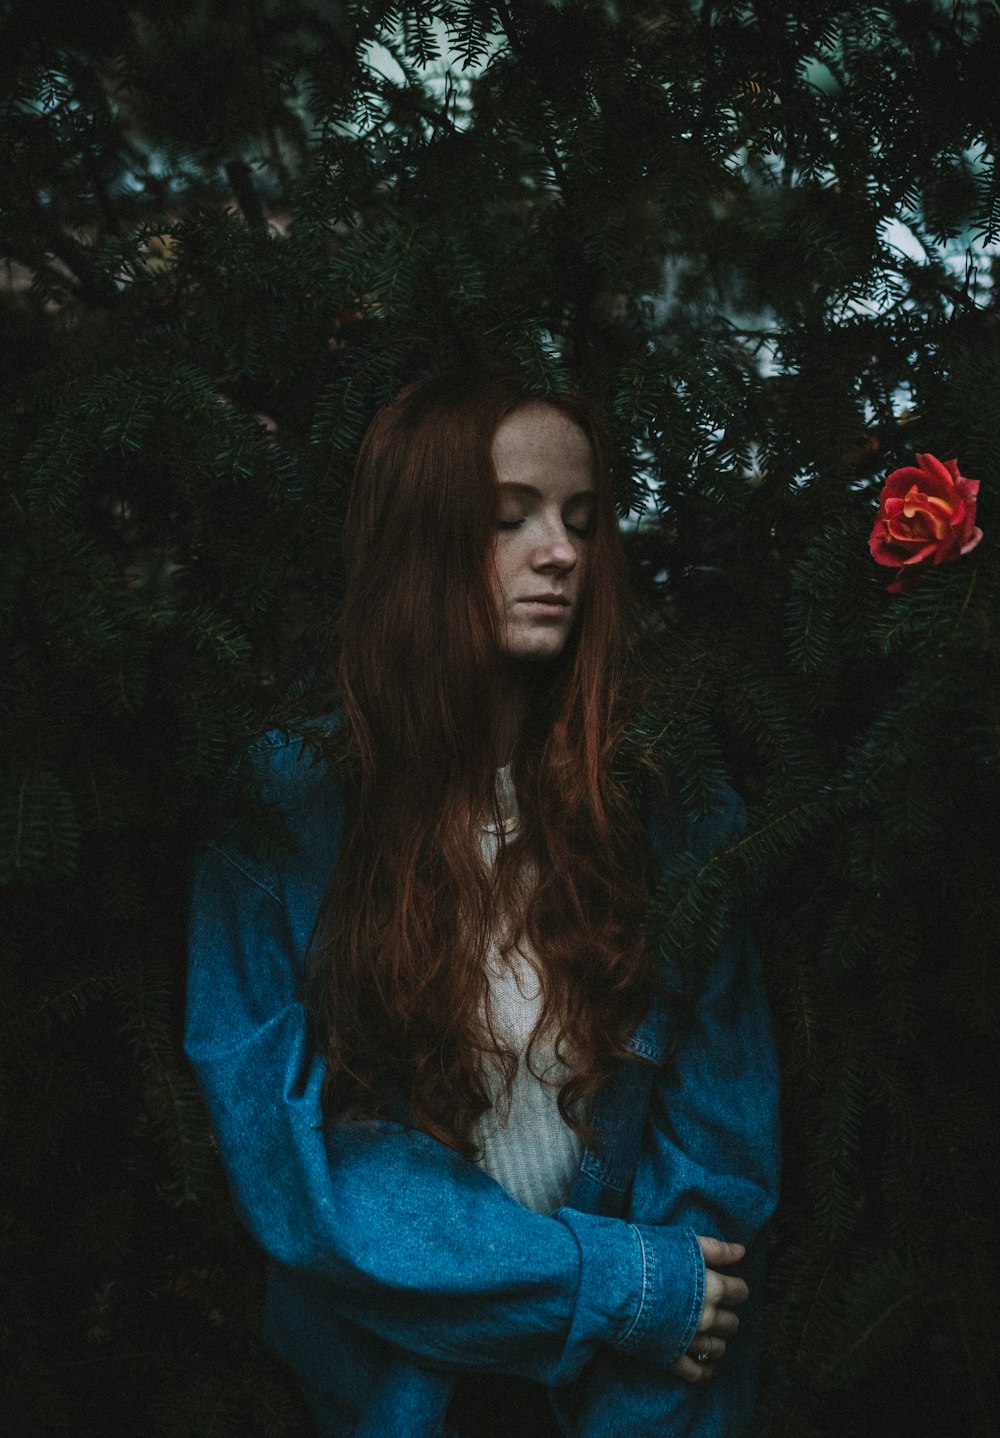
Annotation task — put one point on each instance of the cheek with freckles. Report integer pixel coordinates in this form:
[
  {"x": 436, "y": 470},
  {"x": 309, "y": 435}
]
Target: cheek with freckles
[{"x": 526, "y": 630}]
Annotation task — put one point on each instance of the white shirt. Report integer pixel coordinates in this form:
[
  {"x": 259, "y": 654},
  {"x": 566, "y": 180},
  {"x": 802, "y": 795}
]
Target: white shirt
[{"x": 526, "y": 1146}]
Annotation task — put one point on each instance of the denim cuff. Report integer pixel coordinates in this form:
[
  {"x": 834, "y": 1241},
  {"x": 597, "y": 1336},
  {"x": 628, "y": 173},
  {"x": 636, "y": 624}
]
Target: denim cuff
[
  {"x": 673, "y": 1295},
  {"x": 641, "y": 1290}
]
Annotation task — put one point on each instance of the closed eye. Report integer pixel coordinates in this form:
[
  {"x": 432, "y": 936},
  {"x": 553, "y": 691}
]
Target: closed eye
[{"x": 579, "y": 518}]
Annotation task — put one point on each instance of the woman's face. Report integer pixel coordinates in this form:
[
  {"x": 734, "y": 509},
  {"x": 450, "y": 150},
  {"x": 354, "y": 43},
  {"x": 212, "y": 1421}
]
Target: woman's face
[{"x": 544, "y": 467}]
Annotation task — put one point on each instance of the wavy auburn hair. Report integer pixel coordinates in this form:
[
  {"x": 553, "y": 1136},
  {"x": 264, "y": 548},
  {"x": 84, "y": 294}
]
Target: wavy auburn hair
[{"x": 399, "y": 977}]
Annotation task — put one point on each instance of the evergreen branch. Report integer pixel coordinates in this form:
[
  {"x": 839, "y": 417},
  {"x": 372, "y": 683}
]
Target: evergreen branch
[
  {"x": 863, "y": 1337},
  {"x": 518, "y": 48},
  {"x": 125, "y": 1356},
  {"x": 632, "y": 212},
  {"x": 818, "y": 806},
  {"x": 171, "y": 1097},
  {"x": 240, "y": 176},
  {"x": 56, "y": 1001},
  {"x": 973, "y": 1367},
  {"x": 31, "y": 259},
  {"x": 39, "y": 829},
  {"x": 814, "y": 1308}
]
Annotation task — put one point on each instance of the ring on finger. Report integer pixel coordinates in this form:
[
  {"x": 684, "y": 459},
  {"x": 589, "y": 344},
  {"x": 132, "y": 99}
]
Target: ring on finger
[{"x": 704, "y": 1354}]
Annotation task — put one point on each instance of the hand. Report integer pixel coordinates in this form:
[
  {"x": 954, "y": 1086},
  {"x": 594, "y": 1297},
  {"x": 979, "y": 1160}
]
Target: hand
[{"x": 718, "y": 1322}]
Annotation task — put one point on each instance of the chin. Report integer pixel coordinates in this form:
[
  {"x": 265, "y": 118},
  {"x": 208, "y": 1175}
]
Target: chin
[
  {"x": 536, "y": 644},
  {"x": 535, "y": 653}
]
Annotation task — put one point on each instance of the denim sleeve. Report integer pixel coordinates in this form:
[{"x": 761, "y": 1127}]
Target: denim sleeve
[
  {"x": 709, "y": 1160},
  {"x": 412, "y": 1241}
]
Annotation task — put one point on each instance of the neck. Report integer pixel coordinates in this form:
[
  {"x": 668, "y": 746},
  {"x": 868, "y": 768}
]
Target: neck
[{"x": 515, "y": 693}]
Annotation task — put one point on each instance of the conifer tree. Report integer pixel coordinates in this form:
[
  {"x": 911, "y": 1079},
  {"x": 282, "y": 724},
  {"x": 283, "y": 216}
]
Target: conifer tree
[{"x": 764, "y": 237}]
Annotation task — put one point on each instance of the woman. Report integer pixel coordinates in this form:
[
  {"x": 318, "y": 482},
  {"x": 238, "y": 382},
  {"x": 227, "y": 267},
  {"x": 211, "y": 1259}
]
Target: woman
[{"x": 433, "y": 1044}]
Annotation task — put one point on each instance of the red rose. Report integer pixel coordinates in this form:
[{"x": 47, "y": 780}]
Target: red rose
[{"x": 926, "y": 515}]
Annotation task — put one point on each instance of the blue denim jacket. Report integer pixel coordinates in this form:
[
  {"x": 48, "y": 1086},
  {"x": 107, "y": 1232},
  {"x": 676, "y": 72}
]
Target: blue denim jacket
[{"x": 397, "y": 1265}]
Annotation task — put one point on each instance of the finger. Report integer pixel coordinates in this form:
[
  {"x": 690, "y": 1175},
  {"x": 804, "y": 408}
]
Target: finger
[
  {"x": 715, "y": 1286},
  {"x": 721, "y": 1322},
  {"x": 707, "y": 1351},
  {"x": 692, "y": 1372},
  {"x": 723, "y": 1292},
  {"x": 717, "y": 1253},
  {"x": 707, "y": 1344}
]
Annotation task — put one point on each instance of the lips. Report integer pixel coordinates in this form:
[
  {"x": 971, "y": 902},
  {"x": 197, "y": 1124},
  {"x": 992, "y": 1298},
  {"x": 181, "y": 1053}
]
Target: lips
[{"x": 557, "y": 600}]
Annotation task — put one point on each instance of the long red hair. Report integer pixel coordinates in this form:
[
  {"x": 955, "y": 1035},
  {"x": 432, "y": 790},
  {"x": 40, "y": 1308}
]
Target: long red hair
[{"x": 399, "y": 977}]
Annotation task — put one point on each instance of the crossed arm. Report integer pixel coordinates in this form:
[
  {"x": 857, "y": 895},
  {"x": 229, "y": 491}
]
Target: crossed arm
[{"x": 415, "y": 1242}]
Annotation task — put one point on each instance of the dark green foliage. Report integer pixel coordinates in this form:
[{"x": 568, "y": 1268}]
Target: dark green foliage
[{"x": 228, "y": 233}]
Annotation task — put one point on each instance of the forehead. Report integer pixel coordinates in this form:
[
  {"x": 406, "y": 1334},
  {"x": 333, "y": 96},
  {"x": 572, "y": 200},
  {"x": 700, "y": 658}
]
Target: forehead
[{"x": 539, "y": 443}]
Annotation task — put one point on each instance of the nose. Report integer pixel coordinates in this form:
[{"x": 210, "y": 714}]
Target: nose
[{"x": 555, "y": 549}]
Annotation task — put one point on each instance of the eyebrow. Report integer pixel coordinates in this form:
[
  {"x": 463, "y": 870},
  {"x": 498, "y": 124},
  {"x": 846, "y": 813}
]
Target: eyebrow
[{"x": 530, "y": 489}]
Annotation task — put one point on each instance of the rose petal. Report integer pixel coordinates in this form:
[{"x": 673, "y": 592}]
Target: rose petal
[
  {"x": 925, "y": 552},
  {"x": 937, "y": 476},
  {"x": 958, "y": 515},
  {"x": 881, "y": 552},
  {"x": 900, "y": 481},
  {"x": 917, "y": 526},
  {"x": 895, "y": 518},
  {"x": 926, "y": 516},
  {"x": 905, "y": 580},
  {"x": 881, "y": 540},
  {"x": 943, "y": 507}
]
